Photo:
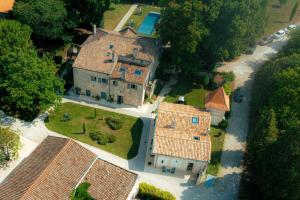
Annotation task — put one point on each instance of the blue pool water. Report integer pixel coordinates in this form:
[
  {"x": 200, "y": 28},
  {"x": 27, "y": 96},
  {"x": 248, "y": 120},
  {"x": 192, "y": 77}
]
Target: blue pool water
[{"x": 148, "y": 25}]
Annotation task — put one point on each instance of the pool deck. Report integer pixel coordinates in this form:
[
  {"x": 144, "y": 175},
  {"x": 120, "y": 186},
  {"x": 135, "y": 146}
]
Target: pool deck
[{"x": 125, "y": 18}]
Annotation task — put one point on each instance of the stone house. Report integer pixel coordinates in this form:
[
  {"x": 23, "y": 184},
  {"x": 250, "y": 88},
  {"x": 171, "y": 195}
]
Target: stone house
[
  {"x": 181, "y": 140},
  {"x": 58, "y": 165},
  {"x": 217, "y": 103},
  {"x": 116, "y": 66}
]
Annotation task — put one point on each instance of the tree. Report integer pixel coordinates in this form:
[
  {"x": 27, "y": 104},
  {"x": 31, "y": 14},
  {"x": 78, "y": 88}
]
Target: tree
[
  {"x": 86, "y": 11},
  {"x": 14, "y": 35},
  {"x": 81, "y": 192},
  {"x": 9, "y": 145},
  {"x": 283, "y": 2},
  {"x": 46, "y": 17},
  {"x": 182, "y": 27},
  {"x": 28, "y": 84}
]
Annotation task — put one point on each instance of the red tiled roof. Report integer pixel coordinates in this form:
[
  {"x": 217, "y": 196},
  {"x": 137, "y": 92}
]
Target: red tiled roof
[
  {"x": 218, "y": 100},
  {"x": 179, "y": 141},
  {"x": 6, "y": 5},
  {"x": 55, "y": 168},
  {"x": 130, "y": 75}
]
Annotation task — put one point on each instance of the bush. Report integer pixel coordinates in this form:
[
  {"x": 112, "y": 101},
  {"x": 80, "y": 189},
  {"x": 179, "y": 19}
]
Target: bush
[
  {"x": 95, "y": 135},
  {"x": 103, "y": 139},
  {"x": 111, "y": 138},
  {"x": 114, "y": 123},
  {"x": 223, "y": 124},
  {"x": 148, "y": 191},
  {"x": 228, "y": 76},
  {"x": 205, "y": 80}
]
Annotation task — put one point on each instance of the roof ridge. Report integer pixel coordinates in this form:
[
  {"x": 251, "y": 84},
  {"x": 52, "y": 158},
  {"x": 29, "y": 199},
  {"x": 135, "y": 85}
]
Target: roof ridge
[
  {"x": 196, "y": 141},
  {"x": 68, "y": 140}
]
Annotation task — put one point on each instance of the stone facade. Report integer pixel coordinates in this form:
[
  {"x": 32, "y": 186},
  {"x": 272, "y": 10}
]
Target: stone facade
[
  {"x": 101, "y": 86},
  {"x": 216, "y": 116}
]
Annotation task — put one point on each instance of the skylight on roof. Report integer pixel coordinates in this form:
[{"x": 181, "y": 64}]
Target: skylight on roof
[
  {"x": 138, "y": 72},
  {"x": 195, "y": 120},
  {"x": 122, "y": 69}
]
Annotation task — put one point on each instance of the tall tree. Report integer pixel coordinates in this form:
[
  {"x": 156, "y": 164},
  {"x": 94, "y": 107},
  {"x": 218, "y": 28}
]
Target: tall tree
[
  {"x": 46, "y": 17},
  {"x": 9, "y": 145},
  {"x": 28, "y": 84},
  {"x": 182, "y": 28}
]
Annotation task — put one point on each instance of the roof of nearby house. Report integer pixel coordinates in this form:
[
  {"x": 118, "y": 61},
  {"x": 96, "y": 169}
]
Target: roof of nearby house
[
  {"x": 95, "y": 54},
  {"x": 133, "y": 73},
  {"x": 55, "y": 168},
  {"x": 179, "y": 140},
  {"x": 218, "y": 99},
  {"x": 6, "y": 5}
]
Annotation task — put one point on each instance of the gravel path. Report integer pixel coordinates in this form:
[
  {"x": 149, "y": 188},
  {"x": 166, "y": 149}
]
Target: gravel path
[
  {"x": 235, "y": 140},
  {"x": 125, "y": 18}
]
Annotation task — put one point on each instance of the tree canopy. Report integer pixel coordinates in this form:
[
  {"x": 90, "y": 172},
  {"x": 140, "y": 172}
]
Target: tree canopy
[
  {"x": 28, "y": 83},
  {"x": 273, "y": 144},
  {"x": 9, "y": 145},
  {"x": 46, "y": 17},
  {"x": 202, "y": 32}
]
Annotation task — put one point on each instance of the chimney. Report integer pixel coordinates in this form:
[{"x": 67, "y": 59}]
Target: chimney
[
  {"x": 94, "y": 29},
  {"x": 113, "y": 56},
  {"x": 173, "y": 124},
  {"x": 135, "y": 52},
  {"x": 123, "y": 75}
]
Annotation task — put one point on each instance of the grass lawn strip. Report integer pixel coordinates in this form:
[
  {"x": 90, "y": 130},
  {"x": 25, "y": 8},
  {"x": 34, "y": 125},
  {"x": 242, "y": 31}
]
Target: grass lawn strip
[
  {"x": 114, "y": 15},
  {"x": 128, "y": 137}
]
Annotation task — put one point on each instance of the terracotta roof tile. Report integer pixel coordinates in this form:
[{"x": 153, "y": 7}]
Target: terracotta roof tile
[
  {"x": 130, "y": 73},
  {"x": 179, "y": 140},
  {"x": 109, "y": 181},
  {"x": 56, "y": 167},
  {"x": 95, "y": 54},
  {"x": 6, "y": 5},
  {"x": 218, "y": 100}
]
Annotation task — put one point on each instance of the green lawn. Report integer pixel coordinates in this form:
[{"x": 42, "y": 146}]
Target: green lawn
[
  {"x": 194, "y": 95},
  {"x": 138, "y": 19},
  {"x": 128, "y": 137},
  {"x": 217, "y": 141},
  {"x": 114, "y": 15},
  {"x": 278, "y": 17}
]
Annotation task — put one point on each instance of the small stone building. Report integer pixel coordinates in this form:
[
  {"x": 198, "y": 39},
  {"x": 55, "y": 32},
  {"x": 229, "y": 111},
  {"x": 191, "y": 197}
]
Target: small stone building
[
  {"x": 217, "y": 103},
  {"x": 116, "y": 66},
  {"x": 181, "y": 140}
]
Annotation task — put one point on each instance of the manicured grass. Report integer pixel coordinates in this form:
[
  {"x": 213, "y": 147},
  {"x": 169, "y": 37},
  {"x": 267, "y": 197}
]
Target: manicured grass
[
  {"x": 194, "y": 95},
  {"x": 138, "y": 19},
  {"x": 114, "y": 15},
  {"x": 278, "y": 17},
  {"x": 217, "y": 140},
  {"x": 128, "y": 137}
]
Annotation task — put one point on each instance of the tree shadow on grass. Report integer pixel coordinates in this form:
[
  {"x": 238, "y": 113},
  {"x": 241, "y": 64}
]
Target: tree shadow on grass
[{"x": 136, "y": 133}]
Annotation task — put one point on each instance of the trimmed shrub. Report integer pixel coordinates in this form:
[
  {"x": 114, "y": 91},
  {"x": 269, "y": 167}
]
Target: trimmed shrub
[
  {"x": 95, "y": 135},
  {"x": 148, "y": 191},
  {"x": 103, "y": 140},
  {"x": 206, "y": 80},
  {"x": 114, "y": 123},
  {"x": 223, "y": 124},
  {"x": 111, "y": 138}
]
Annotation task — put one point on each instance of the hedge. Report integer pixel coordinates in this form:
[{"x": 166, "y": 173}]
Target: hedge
[{"x": 150, "y": 192}]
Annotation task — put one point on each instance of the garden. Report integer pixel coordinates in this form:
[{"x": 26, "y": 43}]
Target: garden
[{"x": 116, "y": 133}]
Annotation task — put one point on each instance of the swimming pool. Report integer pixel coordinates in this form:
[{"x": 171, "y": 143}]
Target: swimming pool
[{"x": 148, "y": 25}]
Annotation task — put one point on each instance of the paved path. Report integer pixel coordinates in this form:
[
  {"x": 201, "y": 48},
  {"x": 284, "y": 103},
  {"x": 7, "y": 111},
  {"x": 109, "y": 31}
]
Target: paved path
[
  {"x": 235, "y": 140},
  {"x": 125, "y": 18}
]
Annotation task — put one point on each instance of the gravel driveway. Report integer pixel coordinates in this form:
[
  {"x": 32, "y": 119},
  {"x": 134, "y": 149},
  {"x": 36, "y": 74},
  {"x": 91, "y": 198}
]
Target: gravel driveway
[{"x": 235, "y": 140}]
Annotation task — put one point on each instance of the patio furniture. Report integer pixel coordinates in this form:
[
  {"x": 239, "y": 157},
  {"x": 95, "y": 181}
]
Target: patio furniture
[
  {"x": 173, "y": 170},
  {"x": 164, "y": 169}
]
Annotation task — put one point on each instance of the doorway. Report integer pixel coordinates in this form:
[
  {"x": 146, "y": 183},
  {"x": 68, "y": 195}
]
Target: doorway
[
  {"x": 120, "y": 99},
  {"x": 190, "y": 167}
]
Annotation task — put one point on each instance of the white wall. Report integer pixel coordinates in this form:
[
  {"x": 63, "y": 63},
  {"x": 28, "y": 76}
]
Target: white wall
[
  {"x": 216, "y": 116},
  {"x": 179, "y": 163}
]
